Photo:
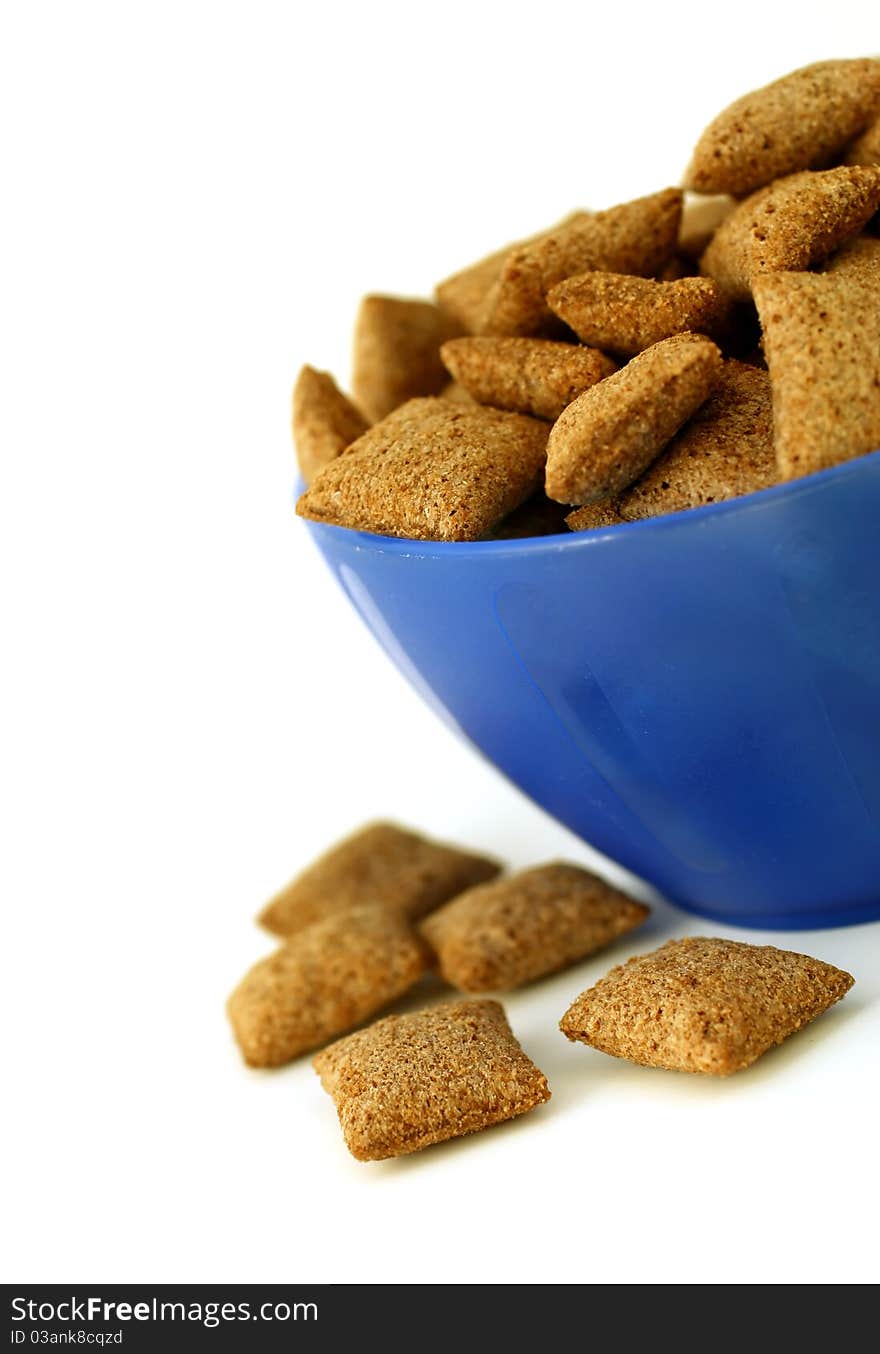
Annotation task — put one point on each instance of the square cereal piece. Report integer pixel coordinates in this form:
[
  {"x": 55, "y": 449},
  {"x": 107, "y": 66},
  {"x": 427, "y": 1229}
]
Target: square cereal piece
[
  {"x": 625, "y": 315},
  {"x": 703, "y": 1005},
  {"x": 526, "y": 375},
  {"x": 466, "y": 294},
  {"x": 790, "y": 225},
  {"x": 410, "y": 1081},
  {"x": 822, "y": 343},
  {"x": 396, "y": 352},
  {"x": 381, "y": 863},
  {"x": 635, "y": 237},
  {"x": 609, "y": 435},
  {"x": 324, "y": 421},
  {"x": 802, "y": 121},
  {"x": 498, "y": 936},
  {"x": 723, "y": 451},
  {"x": 432, "y": 471},
  {"x": 326, "y": 979}
]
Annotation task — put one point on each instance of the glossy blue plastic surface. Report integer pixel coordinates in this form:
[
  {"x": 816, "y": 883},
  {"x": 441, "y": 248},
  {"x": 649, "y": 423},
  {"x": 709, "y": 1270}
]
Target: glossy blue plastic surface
[{"x": 697, "y": 695}]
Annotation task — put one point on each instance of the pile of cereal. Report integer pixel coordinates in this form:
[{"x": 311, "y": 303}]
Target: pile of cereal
[
  {"x": 381, "y": 910},
  {"x": 666, "y": 353}
]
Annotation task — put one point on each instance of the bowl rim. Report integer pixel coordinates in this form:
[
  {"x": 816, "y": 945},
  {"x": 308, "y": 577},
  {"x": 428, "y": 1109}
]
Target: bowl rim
[{"x": 574, "y": 540}]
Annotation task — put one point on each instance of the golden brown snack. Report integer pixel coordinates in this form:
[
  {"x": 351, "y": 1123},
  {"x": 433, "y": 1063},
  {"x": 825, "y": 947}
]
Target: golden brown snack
[
  {"x": 625, "y": 315},
  {"x": 465, "y": 294},
  {"x": 324, "y": 980},
  {"x": 538, "y": 516},
  {"x": 799, "y": 122},
  {"x": 700, "y": 218},
  {"x": 865, "y": 150},
  {"x": 610, "y": 435},
  {"x": 527, "y": 375},
  {"x": 726, "y": 449},
  {"x": 379, "y": 864},
  {"x": 636, "y": 237},
  {"x": 791, "y": 224},
  {"x": 703, "y": 1005},
  {"x": 325, "y": 421},
  {"x": 595, "y": 515},
  {"x": 432, "y": 471},
  {"x": 410, "y": 1081},
  {"x": 397, "y": 352},
  {"x": 498, "y": 936},
  {"x": 822, "y": 343}
]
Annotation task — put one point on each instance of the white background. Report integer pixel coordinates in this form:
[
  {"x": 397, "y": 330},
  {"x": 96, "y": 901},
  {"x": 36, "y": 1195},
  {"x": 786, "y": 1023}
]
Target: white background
[{"x": 196, "y": 195}]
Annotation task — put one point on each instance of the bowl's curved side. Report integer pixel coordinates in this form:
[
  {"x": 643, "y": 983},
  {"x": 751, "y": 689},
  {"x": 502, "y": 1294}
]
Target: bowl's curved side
[{"x": 698, "y": 695}]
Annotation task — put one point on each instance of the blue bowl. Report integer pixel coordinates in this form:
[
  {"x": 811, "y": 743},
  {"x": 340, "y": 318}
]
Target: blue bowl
[{"x": 697, "y": 696}]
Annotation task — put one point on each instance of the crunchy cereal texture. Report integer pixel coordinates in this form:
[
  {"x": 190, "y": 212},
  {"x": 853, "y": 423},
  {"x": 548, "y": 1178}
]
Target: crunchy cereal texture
[
  {"x": 324, "y": 980},
  {"x": 802, "y": 121},
  {"x": 325, "y": 421},
  {"x": 538, "y": 516},
  {"x": 822, "y": 343},
  {"x": 380, "y": 864},
  {"x": 726, "y": 449},
  {"x": 610, "y": 435},
  {"x": 433, "y": 470},
  {"x": 594, "y": 515},
  {"x": 465, "y": 295},
  {"x": 865, "y": 150},
  {"x": 703, "y": 1005},
  {"x": 526, "y": 375},
  {"x": 636, "y": 237},
  {"x": 625, "y": 315},
  {"x": 792, "y": 224},
  {"x": 397, "y": 352},
  {"x": 410, "y": 1081},
  {"x": 498, "y": 936}
]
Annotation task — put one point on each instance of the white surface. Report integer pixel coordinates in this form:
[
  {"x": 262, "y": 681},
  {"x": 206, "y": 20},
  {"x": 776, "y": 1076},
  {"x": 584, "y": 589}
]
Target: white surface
[{"x": 200, "y": 194}]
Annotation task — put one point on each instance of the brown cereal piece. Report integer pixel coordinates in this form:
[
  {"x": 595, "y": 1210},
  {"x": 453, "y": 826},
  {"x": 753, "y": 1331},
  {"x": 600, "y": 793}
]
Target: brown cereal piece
[
  {"x": 703, "y": 1004},
  {"x": 636, "y": 237},
  {"x": 498, "y": 936},
  {"x": 538, "y": 516},
  {"x": 822, "y": 344},
  {"x": 380, "y": 864},
  {"x": 324, "y": 980},
  {"x": 799, "y": 122},
  {"x": 527, "y": 375},
  {"x": 465, "y": 294},
  {"x": 865, "y": 150},
  {"x": 700, "y": 218},
  {"x": 325, "y": 421},
  {"x": 792, "y": 224},
  {"x": 410, "y": 1081},
  {"x": 625, "y": 315},
  {"x": 397, "y": 352},
  {"x": 592, "y": 516},
  {"x": 725, "y": 450},
  {"x": 610, "y": 435},
  {"x": 432, "y": 471}
]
